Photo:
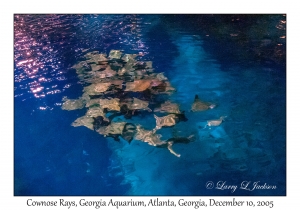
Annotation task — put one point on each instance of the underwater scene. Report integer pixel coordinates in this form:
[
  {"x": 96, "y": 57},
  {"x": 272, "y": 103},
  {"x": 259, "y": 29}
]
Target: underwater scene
[{"x": 159, "y": 105}]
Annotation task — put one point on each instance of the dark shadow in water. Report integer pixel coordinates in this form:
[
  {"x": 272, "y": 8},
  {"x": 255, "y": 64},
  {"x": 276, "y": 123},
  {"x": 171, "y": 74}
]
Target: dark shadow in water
[{"x": 241, "y": 39}]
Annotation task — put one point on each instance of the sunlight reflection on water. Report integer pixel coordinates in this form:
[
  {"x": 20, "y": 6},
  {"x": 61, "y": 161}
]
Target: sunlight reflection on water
[{"x": 46, "y": 46}]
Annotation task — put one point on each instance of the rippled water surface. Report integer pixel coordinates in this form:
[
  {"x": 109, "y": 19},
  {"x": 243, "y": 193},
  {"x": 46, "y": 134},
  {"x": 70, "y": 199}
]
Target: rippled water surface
[{"x": 234, "y": 61}]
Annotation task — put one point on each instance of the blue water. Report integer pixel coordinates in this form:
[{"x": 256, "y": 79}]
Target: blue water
[{"x": 234, "y": 61}]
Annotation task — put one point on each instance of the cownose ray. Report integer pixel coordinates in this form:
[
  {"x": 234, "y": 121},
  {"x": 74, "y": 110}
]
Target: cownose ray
[
  {"x": 199, "y": 105},
  {"x": 168, "y": 120},
  {"x": 215, "y": 122}
]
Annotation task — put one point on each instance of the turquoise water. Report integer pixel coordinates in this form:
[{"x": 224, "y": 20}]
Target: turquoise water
[{"x": 234, "y": 61}]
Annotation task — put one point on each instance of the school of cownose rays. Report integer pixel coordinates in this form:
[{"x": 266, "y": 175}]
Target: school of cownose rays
[{"x": 120, "y": 85}]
